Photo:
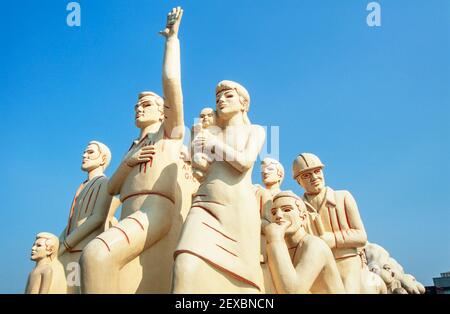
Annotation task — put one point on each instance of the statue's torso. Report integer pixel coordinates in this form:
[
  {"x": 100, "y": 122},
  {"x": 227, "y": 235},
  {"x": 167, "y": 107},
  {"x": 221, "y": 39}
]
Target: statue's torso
[{"x": 156, "y": 177}]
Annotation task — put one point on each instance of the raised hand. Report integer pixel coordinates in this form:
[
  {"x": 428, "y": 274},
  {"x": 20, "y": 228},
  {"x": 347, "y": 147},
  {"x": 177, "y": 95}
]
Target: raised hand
[
  {"x": 173, "y": 23},
  {"x": 143, "y": 155}
]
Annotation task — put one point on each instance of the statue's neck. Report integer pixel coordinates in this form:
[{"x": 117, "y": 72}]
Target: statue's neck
[
  {"x": 316, "y": 200},
  {"x": 95, "y": 173},
  {"x": 274, "y": 188},
  {"x": 236, "y": 119},
  {"x": 43, "y": 262},
  {"x": 294, "y": 239},
  {"x": 152, "y": 128}
]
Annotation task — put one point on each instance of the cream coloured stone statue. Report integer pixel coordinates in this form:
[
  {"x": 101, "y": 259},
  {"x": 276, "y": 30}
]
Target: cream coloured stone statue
[
  {"x": 146, "y": 181},
  {"x": 371, "y": 282},
  {"x": 342, "y": 228},
  {"x": 299, "y": 262},
  {"x": 48, "y": 274},
  {"x": 186, "y": 180},
  {"x": 219, "y": 249},
  {"x": 392, "y": 273},
  {"x": 272, "y": 175},
  {"x": 411, "y": 285},
  {"x": 200, "y": 160},
  {"x": 92, "y": 210}
]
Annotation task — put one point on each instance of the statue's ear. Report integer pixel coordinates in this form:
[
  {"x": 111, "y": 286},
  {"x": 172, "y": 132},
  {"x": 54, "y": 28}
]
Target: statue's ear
[
  {"x": 103, "y": 160},
  {"x": 244, "y": 103}
]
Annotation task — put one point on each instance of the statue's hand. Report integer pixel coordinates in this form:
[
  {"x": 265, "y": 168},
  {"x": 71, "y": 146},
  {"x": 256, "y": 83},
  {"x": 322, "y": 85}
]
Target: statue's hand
[
  {"x": 205, "y": 142},
  {"x": 173, "y": 23},
  {"x": 143, "y": 155},
  {"x": 275, "y": 231}
]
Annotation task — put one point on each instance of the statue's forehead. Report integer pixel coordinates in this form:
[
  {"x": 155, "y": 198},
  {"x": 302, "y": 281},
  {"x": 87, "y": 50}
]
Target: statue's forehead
[
  {"x": 40, "y": 240},
  {"x": 224, "y": 90},
  {"x": 92, "y": 146},
  {"x": 284, "y": 200}
]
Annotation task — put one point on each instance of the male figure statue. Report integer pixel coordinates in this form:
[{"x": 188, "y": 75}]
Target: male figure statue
[
  {"x": 299, "y": 262},
  {"x": 92, "y": 208},
  {"x": 48, "y": 274},
  {"x": 272, "y": 175},
  {"x": 343, "y": 229},
  {"x": 146, "y": 178}
]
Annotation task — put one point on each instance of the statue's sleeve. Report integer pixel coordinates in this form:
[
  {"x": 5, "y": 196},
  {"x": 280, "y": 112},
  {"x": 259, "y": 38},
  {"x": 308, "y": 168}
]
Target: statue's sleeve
[{"x": 355, "y": 235}]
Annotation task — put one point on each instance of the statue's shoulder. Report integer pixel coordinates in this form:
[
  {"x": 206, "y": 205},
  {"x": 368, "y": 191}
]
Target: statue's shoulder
[{"x": 257, "y": 130}]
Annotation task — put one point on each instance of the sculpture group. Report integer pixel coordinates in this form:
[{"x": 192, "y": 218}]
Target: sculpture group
[{"x": 192, "y": 221}]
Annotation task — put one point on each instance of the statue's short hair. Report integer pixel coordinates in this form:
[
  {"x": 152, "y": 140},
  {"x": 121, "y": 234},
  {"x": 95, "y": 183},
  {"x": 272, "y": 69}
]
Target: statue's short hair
[
  {"x": 280, "y": 169},
  {"x": 51, "y": 242},
  {"x": 159, "y": 99},
  {"x": 242, "y": 92},
  {"x": 298, "y": 201},
  {"x": 104, "y": 150}
]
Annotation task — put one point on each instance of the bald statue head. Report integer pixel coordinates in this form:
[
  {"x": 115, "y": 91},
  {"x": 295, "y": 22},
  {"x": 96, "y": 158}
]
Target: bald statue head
[{"x": 207, "y": 117}]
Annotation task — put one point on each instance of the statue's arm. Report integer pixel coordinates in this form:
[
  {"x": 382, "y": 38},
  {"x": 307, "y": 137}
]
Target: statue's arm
[
  {"x": 286, "y": 277},
  {"x": 46, "y": 280},
  {"x": 243, "y": 160},
  {"x": 118, "y": 178},
  {"x": 33, "y": 283},
  {"x": 94, "y": 221},
  {"x": 356, "y": 235},
  {"x": 171, "y": 77}
]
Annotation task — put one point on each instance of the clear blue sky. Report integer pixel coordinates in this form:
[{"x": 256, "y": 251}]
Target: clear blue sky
[{"x": 373, "y": 103}]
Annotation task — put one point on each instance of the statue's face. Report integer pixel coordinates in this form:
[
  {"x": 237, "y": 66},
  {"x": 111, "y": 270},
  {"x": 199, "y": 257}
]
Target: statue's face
[
  {"x": 269, "y": 174},
  {"x": 92, "y": 158},
  {"x": 39, "y": 250},
  {"x": 312, "y": 180},
  {"x": 207, "y": 118},
  {"x": 228, "y": 103},
  {"x": 285, "y": 211},
  {"x": 147, "y": 112}
]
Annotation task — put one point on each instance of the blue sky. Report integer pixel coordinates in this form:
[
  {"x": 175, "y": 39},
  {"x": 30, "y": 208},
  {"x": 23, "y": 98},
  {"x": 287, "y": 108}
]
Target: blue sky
[{"x": 373, "y": 103}]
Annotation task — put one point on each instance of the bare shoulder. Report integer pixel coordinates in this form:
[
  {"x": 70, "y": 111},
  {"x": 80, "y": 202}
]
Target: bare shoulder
[
  {"x": 312, "y": 242},
  {"x": 46, "y": 270},
  {"x": 257, "y": 129}
]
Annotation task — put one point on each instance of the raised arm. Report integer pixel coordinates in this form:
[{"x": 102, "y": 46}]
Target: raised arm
[{"x": 171, "y": 76}]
